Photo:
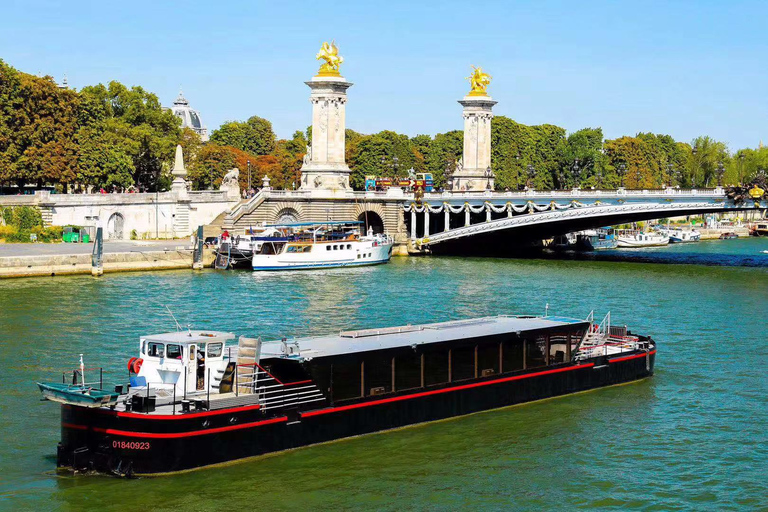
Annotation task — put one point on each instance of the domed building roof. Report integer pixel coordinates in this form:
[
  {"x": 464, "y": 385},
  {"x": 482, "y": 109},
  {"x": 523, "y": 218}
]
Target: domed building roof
[{"x": 190, "y": 118}]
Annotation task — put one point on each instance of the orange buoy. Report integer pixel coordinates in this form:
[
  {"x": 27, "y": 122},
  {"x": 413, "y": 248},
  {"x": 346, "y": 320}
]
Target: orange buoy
[
  {"x": 130, "y": 363},
  {"x": 137, "y": 365}
]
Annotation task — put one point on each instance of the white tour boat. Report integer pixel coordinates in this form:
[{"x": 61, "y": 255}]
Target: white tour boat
[
  {"x": 323, "y": 245},
  {"x": 641, "y": 239}
]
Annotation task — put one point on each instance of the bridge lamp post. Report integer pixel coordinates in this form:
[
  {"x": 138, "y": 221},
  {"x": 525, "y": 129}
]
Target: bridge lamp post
[
  {"x": 575, "y": 169},
  {"x": 741, "y": 166},
  {"x": 599, "y": 176},
  {"x": 720, "y": 172},
  {"x": 670, "y": 173},
  {"x": 622, "y": 171},
  {"x": 488, "y": 175},
  {"x": 694, "y": 151},
  {"x": 249, "y": 177},
  {"x": 531, "y": 174}
]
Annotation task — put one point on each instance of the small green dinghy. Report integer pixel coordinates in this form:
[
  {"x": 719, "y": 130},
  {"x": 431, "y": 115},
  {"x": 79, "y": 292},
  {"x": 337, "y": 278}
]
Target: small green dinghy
[{"x": 77, "y": 394}]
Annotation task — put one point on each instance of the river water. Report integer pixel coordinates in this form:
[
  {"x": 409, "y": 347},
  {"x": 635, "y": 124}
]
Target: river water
[{"x": 694, "y": 436}]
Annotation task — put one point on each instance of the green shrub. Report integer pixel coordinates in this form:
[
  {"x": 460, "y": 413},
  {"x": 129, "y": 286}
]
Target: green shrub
[
  {"x": 22, "y": 217},
  {"x": 6, "y": 231},
  {"x": 49, "y": 234},
  {"x": 134, "y": 235}
]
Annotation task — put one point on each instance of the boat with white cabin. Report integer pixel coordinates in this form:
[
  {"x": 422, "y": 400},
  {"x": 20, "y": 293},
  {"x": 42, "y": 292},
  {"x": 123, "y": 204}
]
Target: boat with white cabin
[
  {"x": 634, "y": 239},
  {"x": 323, "y": 245}
]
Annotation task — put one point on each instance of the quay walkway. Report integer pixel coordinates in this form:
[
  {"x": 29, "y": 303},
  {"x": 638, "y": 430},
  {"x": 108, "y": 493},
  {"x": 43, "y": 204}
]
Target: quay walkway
[{"x": 30, "y": 260}]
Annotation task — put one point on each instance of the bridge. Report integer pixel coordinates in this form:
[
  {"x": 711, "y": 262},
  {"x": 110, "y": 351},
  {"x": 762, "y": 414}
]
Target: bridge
[
  {"x": 468, "y": 222},
  {"x": 495, "y": 222}
]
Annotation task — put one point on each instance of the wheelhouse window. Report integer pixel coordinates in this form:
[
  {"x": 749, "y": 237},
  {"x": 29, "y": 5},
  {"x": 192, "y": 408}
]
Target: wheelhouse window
[
  {"x": 349, "y": 246},
  {"x": 215, "y": 349},
  {"x": 155, "y": 349},
  {"x": 377, "y": 375},
  {"x": 535, "y": 350},
  {"x": 345, "y": 379},
  {"x": 436, "y": 367},
  {"x": 487, "y": 359},
  {"x": 462, "y": 363},
  {"x": 407, "y": 371},
  {"x": 173, "y": 351},
  {"x": 512, "y": 354},
  {"x": 327, "y": 247}
]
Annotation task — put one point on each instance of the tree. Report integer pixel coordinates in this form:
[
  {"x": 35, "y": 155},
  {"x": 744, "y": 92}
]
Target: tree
[
  {"x": 444, "y": 152},
  {"x": 133, "y": 121},
  {"x": 254, "y": 136},
  {"x": 37, "y": 129}
]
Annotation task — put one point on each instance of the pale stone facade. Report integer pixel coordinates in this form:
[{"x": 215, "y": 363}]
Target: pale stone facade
[
  {"x": 475, "y": 172},
  {"x": 324, "y": 165}
]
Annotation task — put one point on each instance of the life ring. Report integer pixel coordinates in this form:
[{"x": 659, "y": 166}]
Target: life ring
[
  {"x": 137, "y": 365},
  {"x": 130, "y": 363}
]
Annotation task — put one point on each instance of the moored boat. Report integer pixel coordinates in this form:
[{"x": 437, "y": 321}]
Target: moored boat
[
  {"x": 678, "y": 235},
  {"x": 323, "y": 245},
  {"x": 759, "y": 229},
  {"x": 596, "y": 239},
  {"x": 194, "y": 401},
  {"x": 636, "y": 239}
]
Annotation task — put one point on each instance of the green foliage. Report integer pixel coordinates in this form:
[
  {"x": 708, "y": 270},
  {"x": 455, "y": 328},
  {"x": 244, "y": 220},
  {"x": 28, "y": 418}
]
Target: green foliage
[
  {"x": 383, "y": 154},
  {"x": 254, "y": 136},
  {"x": 136, "y": 136},
  {"x": 22, "y": 217}
]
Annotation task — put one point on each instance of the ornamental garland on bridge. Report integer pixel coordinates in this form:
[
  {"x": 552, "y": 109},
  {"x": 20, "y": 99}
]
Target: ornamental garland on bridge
[{"x": 529, "y": 206}]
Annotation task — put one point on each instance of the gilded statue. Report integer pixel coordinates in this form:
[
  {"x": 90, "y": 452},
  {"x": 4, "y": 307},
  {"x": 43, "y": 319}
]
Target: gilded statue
[
  {"x": 478, "y": 82},
  {"x": 330, "y": 54}
]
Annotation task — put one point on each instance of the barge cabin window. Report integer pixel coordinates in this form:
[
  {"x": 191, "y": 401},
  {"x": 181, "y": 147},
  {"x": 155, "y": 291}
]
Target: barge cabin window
[
  {"x": 215, "y": 349},
  {"x": 173, "y": 351},
  {"x": 364, "y": 374},
  {"x": 155, "y": 349}
]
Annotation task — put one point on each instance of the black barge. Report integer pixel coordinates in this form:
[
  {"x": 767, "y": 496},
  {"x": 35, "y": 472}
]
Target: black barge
[{"x": 195, "y": 402}]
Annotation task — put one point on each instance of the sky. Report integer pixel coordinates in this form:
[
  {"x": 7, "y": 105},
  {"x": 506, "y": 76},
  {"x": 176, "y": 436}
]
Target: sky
[{"x": 674, "y": 67}]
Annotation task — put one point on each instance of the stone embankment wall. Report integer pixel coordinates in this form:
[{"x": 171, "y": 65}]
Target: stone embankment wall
[
  {"x": 163, "y": 215},
  {"x": 53, "y": 265}
]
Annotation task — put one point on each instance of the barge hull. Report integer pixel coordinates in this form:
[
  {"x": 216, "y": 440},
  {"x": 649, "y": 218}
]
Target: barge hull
[{"x": 135, "y": 444}]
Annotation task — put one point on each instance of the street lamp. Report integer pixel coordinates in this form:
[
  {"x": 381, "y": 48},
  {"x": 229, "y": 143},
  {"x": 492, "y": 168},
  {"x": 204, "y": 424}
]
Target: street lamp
[
  {"x": 670, "y": 173},
  {"x": 575, "y": 169},
  {"x": 694, "y": 151},
  {"x": 599, "y": 176},
  {"x": 741, "y": 166},
  {"x": 622, "y": 170},
  {"x": 249, "y": 178},
  {"x": 531, "y": 174},
  {"x": 720, "y": 172},
  {"x": 488, "y": 176}
]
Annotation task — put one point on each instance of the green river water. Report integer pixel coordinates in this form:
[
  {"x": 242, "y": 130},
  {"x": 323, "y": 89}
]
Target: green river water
[{"x": 693, "y": 437}]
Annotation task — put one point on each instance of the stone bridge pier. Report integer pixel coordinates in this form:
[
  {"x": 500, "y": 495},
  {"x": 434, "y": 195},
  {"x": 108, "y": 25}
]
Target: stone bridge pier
[{"x": 382, "y": 212}]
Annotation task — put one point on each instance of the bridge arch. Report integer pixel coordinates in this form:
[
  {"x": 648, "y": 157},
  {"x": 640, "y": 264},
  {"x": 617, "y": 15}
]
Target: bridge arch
[{"x": 371, "y": 220}]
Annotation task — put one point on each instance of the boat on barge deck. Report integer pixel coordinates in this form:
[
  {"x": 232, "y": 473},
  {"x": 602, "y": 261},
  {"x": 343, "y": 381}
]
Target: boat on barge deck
[{"x": 194, "y": 402}]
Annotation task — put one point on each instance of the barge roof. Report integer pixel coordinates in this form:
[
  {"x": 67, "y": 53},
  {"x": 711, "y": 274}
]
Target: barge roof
[
  {"x": 190, "y": 336},
  {"x": 347, "y": 342}
]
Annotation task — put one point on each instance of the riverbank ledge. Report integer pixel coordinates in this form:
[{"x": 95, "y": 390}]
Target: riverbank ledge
[{"x": 69, "y": 264}]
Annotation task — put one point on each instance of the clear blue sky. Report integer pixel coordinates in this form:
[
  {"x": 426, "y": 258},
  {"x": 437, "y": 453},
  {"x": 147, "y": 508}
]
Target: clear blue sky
[{"x": 681, "y": 68}]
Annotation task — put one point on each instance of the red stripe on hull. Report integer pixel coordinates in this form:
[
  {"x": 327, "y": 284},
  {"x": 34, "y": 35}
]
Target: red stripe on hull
[
  {"x": 627, "y": 358},
  {"x": 446, "y": 390},
  {"x": 176, "y": 435}
]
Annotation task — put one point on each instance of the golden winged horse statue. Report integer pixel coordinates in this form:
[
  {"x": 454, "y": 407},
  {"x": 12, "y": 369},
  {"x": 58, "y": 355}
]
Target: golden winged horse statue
[
  {"x": 478, "y": 82},
  {"x": 330, "y": 54}
]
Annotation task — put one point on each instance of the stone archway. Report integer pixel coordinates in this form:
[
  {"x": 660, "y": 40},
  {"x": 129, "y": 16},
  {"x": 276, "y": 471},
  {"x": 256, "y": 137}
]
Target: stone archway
[
  {"x": 115, "y": 226},
  {"x": 371, "y": 220}
]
